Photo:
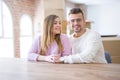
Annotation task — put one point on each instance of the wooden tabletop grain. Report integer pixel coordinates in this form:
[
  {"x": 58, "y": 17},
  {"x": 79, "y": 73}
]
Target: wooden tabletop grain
[{"x": 21, "y": 69}]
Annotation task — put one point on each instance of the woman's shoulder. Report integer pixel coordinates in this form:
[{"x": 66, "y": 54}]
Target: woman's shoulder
[
  {"x": 64, "y": 35},
  {"x": 65, "y": 40}
]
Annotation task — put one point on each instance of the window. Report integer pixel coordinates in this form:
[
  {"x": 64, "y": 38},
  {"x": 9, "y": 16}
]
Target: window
[
  {"x": 1, "y": 18},
  {"x": 6, "y": 31},
  {"x": 25, "y": 35}
]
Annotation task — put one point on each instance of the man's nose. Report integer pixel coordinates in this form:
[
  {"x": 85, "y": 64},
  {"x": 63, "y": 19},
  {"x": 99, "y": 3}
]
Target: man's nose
[{"x": 75, "y": 22}]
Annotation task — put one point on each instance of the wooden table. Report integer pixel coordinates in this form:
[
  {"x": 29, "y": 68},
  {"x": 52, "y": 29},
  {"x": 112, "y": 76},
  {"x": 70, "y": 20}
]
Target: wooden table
[{"x": 21, "y": 69}]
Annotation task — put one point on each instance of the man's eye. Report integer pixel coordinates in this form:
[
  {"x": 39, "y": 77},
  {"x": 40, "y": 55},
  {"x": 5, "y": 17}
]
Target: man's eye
[
  {"x": 78, "y": 20},
  {"x": 72, "y": 20}
]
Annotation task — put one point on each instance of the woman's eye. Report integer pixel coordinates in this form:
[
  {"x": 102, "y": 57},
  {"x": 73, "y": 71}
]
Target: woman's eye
[{"x": 55, "y": 23}]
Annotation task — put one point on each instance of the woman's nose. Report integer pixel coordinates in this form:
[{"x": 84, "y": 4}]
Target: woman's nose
[{"x": 58, "y": 25}]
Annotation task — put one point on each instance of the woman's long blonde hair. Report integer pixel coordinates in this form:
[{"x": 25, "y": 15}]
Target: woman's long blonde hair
[{"x": 47, "y": 36}]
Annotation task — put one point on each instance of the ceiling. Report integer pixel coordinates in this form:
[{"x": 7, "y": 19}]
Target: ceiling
[{"x": 94, "y": 2}]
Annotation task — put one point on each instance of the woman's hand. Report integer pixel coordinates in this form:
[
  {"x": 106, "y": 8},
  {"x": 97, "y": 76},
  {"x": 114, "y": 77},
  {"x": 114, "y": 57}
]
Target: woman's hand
[
  {"x": 49, "y": 58},
  {"x": 57, "y": 59},
  {"x": 53, "y": 58}
]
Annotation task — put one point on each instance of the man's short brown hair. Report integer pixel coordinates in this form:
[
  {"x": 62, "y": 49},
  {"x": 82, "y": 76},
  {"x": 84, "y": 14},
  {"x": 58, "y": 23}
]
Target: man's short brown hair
[{"x": 76, "y": 11}]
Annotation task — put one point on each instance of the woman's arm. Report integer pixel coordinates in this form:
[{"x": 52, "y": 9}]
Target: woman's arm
[{"x": 33, "y": 52}]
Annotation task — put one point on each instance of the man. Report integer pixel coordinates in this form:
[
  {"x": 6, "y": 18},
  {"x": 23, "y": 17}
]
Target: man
[{"x": 87, "y": 45}]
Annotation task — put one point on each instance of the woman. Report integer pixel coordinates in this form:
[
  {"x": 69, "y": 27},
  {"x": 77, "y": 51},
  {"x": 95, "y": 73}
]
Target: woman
[{"x": 51, "y": 45}]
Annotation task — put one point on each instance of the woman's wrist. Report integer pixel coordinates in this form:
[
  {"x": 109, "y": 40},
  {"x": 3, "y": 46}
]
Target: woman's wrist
[
  {"x": 41, "y": 58},
  {"x": 50, "y": 58}
]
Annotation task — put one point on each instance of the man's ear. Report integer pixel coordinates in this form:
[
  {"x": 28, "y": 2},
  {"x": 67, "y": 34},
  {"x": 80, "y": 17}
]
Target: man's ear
[
  {"x": 85, "y": 22},
  {"x": 69, "y": 25},
  {"x": 68, "y": 22}
]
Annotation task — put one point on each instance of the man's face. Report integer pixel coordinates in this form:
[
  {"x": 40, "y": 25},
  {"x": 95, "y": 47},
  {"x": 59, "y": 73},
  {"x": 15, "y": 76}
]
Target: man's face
[{"x": 77, "y": 22}]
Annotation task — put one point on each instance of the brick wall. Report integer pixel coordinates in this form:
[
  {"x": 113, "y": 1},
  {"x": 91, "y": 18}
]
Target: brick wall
[
  {"x": 34, "y": 8},
  {"x": 17, "y": 9}
]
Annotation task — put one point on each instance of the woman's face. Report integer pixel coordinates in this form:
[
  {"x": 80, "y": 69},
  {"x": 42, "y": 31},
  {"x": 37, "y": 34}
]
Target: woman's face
[{"x": 57, "y": 26}]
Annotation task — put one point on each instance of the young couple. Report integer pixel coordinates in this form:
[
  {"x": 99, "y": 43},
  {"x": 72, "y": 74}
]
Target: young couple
[{"x": 83, "y": 46}]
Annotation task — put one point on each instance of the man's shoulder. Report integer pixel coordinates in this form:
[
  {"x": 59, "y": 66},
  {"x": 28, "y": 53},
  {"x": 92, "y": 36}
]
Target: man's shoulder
[{"x": 93, "y": 32}]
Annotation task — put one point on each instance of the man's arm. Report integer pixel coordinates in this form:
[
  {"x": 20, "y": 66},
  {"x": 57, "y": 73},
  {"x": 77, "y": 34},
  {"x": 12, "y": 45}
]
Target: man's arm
[{"x": 94, "y": 44}]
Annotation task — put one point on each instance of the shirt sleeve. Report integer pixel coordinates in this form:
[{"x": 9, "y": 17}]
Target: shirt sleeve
[
  {"x": 94, "y": 44},
  {"x": 67, "y": 49},
  {"x": 33, "y": 52}
]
